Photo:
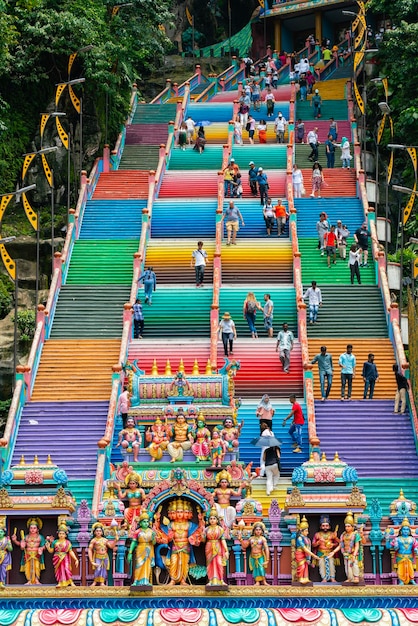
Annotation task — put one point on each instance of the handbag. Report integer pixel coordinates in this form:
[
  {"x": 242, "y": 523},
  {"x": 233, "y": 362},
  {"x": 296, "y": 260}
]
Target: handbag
[{"x": 303, "y": 191}]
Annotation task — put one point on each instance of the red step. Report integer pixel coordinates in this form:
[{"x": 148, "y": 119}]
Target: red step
[
  {"x": 338, "y": 182},
  {"x": 203, "y": 184},
  {"x": 122, "y": 184}
]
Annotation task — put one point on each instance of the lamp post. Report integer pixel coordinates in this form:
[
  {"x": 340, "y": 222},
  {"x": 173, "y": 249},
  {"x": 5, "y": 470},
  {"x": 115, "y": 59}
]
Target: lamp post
[{"x": 413, "y": 193}]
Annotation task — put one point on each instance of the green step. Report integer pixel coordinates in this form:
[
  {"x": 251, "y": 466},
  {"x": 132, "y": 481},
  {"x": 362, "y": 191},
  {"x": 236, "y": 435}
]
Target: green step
[
  {"x": 210, "y": 159},
  {"x": 354, "y": 311},
  {"x": 330, "y": 108},
  {"x": 302, "y": 151},
  {"x": 284, "y": 299},
  {"x": 181, "y": 312},
  {"x": 102, "y": 262},
  {"x": 88, "y": 312},
  {"x": 154, "y": 113},
  {"x": 139, "y": 158},
  {"x": 387, "y": 489},
  {"x": 314, "y": 266},
  {"x": 269, "y": 156},
  {"x": 82, "y": 490}
]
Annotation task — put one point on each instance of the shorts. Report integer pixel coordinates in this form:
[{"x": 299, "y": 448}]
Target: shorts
[
  {"x": 268, "y": 322},
  {"x": 255, "y": 97},
  {"x": 251, "y": 134},
  {"x": 363, "y": 246},
  {"x": 232, "y": 226},
  {"x": 330, "y": 250}
]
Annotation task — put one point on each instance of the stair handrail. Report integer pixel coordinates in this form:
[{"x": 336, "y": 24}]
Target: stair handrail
[
  {"x": 13, "y": 419},
  {"x": 217, "y": 274},
  {"x": 120, "y": 141}
]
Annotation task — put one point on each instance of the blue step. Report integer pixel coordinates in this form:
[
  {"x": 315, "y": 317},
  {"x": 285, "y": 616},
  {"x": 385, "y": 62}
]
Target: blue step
[
  {"x": 255, "y": 226},
  {"x": 349, "y": 210},
  {"x": 112, "y": 219},
  {"x": 173, "y": 219}
]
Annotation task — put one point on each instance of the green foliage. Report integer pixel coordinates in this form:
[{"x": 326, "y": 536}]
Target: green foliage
[
  {"x": 4, "y": 411},
  {"x": 25, "y": 325},
  {"x": 6, "y": 298}
]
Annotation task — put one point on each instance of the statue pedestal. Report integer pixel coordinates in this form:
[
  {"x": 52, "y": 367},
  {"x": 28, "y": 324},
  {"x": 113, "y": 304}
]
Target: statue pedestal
[
  {"x": 180, "y": 399},
  {"x": 309, "y": 583},
  {"x": 140, "y": 589},
  {"x": 224, "y": 587},
  {"x": 348, "y": 583}
]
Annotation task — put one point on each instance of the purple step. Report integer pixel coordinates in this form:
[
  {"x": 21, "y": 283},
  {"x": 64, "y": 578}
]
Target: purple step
[
  {"x": 368, "y": 436},
  {"x": 146, "y": 134},
  {"x": 68, "y": 431}
]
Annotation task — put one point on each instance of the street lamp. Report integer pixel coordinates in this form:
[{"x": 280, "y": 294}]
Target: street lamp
[{"x": 413, "y": 193}]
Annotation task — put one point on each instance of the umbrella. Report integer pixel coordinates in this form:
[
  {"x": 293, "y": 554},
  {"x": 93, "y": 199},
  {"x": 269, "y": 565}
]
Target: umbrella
[
  {"x": 203, "y": 123},
  {"x": 266, "y": 442}
]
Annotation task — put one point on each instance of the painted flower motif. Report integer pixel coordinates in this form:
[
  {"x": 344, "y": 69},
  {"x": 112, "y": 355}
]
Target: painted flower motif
[
  {"x": 236, "y": 616},
  {"x": 301, "y": 615},
  {"x": 51, "y": 617},
  {"x": 34, "y": 477},
  {"x": 410, "y": 614},
  {"x": 9, "y": 616},
  {"x": 109, "y": 616},
  {"x": 324, "y": 475},
  {"x": 362, "y": 615},
  {"x": 174, "y": 616}
]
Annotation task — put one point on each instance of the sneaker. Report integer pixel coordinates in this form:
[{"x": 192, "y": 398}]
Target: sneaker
[
  {"x": 323, "y": 399},
  {"x": 365, "y": 265},
  {"x": 294, "y": 444},
  {"x": 297, "y": 450},
  {"x": 322, "y": 253},
  {"x": 342, "y": 399},
  {"x": 319, "y": 196},
  {"x": 312, "y": 195}
]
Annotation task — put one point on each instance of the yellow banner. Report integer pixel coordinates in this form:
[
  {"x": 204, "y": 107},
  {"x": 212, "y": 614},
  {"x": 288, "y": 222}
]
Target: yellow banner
[
  {"x": 381, "y": 128},
  {"x": 9, "y": 264},
  {"x": 189, "y": 17},
  {"x": 390, "y": 167},
  {"x": 359, "y": 99},
  {"x": 60, "y": 89},
  {"x": 358, "y": 57},
  {"x": 115, "y": 10},
  {"x": 30, "y": 213},
  {"x": 407, "y": 210},
  {"x": 3, "y": 204},
  {"x": 261, "y": 3},
  {"x": 47, "y": 170},
  {"x": 360, "y": 39},
  {"x": 61, "y": 132},
  {"x": 362, "y": 6},
  {"x": 385, "y": 84},
  {"x": 413, "y": 154},
  {"x": 76, "y": 102},
  {"x": 70, "y": 62},
  {"x": 416, "y": 267},
  {"x": 44, "y": 119},
  {"x": 27, "y": 161}
]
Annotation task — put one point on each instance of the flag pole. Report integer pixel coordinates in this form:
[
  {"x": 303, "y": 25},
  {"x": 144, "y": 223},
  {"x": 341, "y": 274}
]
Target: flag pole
[{"x": 193, "y": 35}]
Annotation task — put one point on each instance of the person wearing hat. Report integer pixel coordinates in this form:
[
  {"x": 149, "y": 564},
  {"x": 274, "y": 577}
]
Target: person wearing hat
[
  {"x": 361, "y": 237},
  {"x": 316, "y": 102},
  {"x": 232, "y": 215},
  {"x": 280, "y": 124},
  {"x": 326, "y": 545},
  {"x": 227, "y": 332},
  {"x": 252, "y": 178}
]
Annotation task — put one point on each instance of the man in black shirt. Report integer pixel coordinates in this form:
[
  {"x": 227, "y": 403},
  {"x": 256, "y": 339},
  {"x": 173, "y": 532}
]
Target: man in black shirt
[
  {"x": 361, "y": 237},
  {"x": 403, "y": 386}
]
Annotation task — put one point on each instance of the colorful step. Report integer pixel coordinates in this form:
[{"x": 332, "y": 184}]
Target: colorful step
[{"x": 102, "y": 262}]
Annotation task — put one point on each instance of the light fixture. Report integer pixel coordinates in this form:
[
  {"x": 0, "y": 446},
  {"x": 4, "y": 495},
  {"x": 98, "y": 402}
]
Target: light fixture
[{"x": 385, "y": 108}]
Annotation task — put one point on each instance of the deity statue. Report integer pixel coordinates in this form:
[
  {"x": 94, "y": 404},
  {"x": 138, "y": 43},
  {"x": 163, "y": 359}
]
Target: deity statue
[
  {"x": 130, "y": 438},
  {"x": 231, "y": 433},
  {"x": 98, "y": 555},
  {"x": 406, "y": 551},
  {"x": 63, "y": 552},
  {"x": 180, "y": 386},
  {"x": 259, "y": 552},
  {"x": 326, "y": 545},
  {"x": 182, "y": 438},
  {"x": 135, "y": 495},
  {"x": 201, "y": 446},
  {"x": 303, "y": 552},
  {"x": 143, "y": 546},
  {"x": 223, "y": 493},
  {"x": 157, "y": 434},
  {"x": 216, "y": 551},
  {"x": 217, "y": 448},
  {"x": 351, "y": 548},
  {"x": 33, "y": 545},
  {"x": 5, "y": 556},
  {"x": 180, "y": 533}
]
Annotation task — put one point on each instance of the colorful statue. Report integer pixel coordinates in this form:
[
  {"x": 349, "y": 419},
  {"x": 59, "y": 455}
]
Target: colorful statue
[
  {"x": 351, "y": 548},
  {"x": 33, "y": 545},
  {"x": 216, "y": 551},
  {"x": 5, "y": 556},
  {"x": 130, "y": 438},
  {"x": 63, "y": 552},
  {"x": 217, "y": 449},
  {"x": 180, "y": 386},
  {"x": 259, "y": 552},
  {"x": 182, "y": 438},
  {"x": 201, "y": 446},
  {"x": 231, "y": 433},
  {"x": 326, "y": 545},
  {"x": 135, "y": 495},
  {"x": 143, "y": 545},
  {"x": 406, "y": 551},
  {"x": 223, "y": 493},
  {"x": 180, "y": 533},
  {"x": 157, "y": 434},
  {"x": 98, "y": 554},
  {"x": 303, "y": 552}
]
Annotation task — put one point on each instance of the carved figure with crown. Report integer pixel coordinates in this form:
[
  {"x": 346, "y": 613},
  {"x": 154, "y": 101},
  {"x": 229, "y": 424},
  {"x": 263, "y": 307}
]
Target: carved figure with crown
[
  {"x": 63, "y": 555},
  {"x": 230, "y": 434},
  {"x": 217, "y": 448},
  {"x": 135, "y": 494},
  {"x": 130, "y": 438},
  {"x": 158, "y": 436},
  {"x": 259, "y": 551},
  {"x": 98, "y": 554},
  {"x": 351, "y": 546},
  {"x": 326, "y": 545},
  {"x": 201, "y": 446},
  {"x": 303, "y": 555},
  {"x": 216, "y": 551},
  {"x": 179, "y": 386},
  {"x": 405, "y": 551},
  {"x": 182, "y": 437},
  {"x": 180, "y": 533},
  {"x": 32, "y": 544},
  {"x": 142, "y": 546},
  {"x": 223, "y": 494},
  {"x": 5, "y": 556}
]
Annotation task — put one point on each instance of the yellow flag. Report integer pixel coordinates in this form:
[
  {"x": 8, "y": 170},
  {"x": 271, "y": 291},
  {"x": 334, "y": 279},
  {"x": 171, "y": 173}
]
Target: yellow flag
[
  {"x": 3, "y": 204},
  {"x": 385, "y": 84},
  {"x": 28, "y": 160},
  {"x": 9, "y": 264},
  {"x": 189, "y": 17},
  {"x": 390, "y": 167},
  {"x": 359, "y": 99},
  {"x": 47, "y": 170},
  {"x": 407, "y": 210},
  {"x": 61, "y": 132},
  {"x": 60, "y": 89},
  {"x": 70, "y": 62},
  {"x": 30, "y": 213},
  {"x": 74, "y": 99},
  {"x": 261, "y": 3},
  {"x": 413, "y": 154},
  {"x": 115, "y": 10},
  {"x": 44, "y": 119},
  {"x": 358, "y": 57},
  {"x": 381, "y": 128},
  {"x": 416, "y": 268}
]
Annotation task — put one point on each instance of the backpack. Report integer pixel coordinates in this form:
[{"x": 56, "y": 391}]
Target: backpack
[
  {"x": 248, "y": 126},
  {"x": 251, "y": 307}
]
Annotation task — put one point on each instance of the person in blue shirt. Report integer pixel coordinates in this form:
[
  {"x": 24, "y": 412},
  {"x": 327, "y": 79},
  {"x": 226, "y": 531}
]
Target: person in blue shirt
[
  {"x": 150, "y": 281},
  {"x": 263, "y": 185},
  {"x": 138, "y": 319},
  {"x": 347, "y": 362},
  {"x": 370, "y": 376}
]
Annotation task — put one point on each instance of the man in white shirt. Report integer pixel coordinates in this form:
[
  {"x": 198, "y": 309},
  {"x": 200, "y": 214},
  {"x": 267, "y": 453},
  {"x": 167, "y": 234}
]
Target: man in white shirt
[
  {"x": 312, "y": 140},
  {"x": 190, "y": 129},
  {"x": 280, "y": 127},
  {"x": 315, "y": 301},
  {"x": 200, "y": 258}
]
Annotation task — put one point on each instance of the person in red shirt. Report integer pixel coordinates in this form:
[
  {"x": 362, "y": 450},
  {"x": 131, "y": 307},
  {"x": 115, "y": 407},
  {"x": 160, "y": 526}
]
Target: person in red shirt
[
  {"x": 330, "y": 241},
  {"x": 281, "y": 216},
  {"x": 295, "y": 430}
]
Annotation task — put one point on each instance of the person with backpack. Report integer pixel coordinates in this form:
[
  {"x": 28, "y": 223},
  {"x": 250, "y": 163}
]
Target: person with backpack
[
  {"x": 249, "y": 310},
  {"x": 149, "y": 279}
]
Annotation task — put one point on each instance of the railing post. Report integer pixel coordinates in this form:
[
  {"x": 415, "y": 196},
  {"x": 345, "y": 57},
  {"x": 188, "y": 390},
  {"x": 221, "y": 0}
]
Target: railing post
[
  {"x": 176, "y": 89},
  {"x": 106, "y": 158},
  {"x": 199, "y": 74}
]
